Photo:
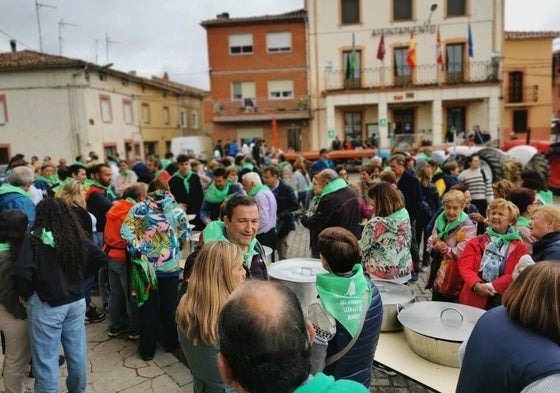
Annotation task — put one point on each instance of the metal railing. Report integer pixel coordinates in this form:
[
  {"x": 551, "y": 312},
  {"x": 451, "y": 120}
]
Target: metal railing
[
  {"x": 261, "y": 106},
  {"x": 422, "y": 75},
  {"x": 520, "y": 95}
]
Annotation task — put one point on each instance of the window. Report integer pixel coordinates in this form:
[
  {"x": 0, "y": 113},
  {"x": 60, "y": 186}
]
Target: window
[
  {"x": 165, "y": 115},
  {"x": 352, "y": 72},
  {"x": 454, "y": 55},
  {"x": 242, "y": 90},
  {"x": 515, "y": 88},
  {"x": 520, "y": 120},
  {"x": 456, "y": 8},
  {"x": 106, "y": 113},
  {"x": 240, "y": 44},
  {"x": 145, "y": 113},
  {"x": 402, "y": 9},
  {"x": 127, "y": 111},
  {"x": 279, "y": 42},
  {"x": 353, "y": 126},
  {"x": 110, "y": 150},
  {"x": 3, "y": 109},
  {"x": 194, "y": 120},
  {"x": 401, "y": 71},
  {"x": 183, "y": 120},
  {"x": 350, "y": 11},
  {"x": 281, "y": 89}
]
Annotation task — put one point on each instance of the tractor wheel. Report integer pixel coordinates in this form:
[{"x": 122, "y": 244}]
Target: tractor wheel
[
  {"x": 539, "y": 164},
  {"x": 554, "y": 162},
  {"x": 494, "y": 160}
]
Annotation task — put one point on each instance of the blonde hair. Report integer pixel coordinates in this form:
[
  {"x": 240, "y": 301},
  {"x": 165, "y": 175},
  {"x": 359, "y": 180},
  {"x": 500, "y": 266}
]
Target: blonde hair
[
  {"x": 424, "y": 174},
  {"x": 71, "y": 194},
  {"x": 454, "y": 196},
  {"x": 550, "y": 213},
  {"x": 210, "y": 284},
  {"x": 500, "y": 203}
]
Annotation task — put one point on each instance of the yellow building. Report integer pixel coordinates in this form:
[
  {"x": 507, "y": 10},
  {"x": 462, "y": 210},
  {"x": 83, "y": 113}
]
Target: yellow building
[
  {"x": 527, "y": 83},
  {"x": 167, "y": 109}
]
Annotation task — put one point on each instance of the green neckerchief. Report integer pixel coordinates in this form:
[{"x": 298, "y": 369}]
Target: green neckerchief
[
  {"x": 215, "y": 195},
  {"x": 255, "y": 190},
  {"x": 7, "y": 188},
  {"x": 110, "y": 194},
  {"x": 165, "y": 163},
  {"x": 282, "y": 164},
  {"x": 61, "y": 185},
  {"x": 523, "y": 222},
  {"x": 333, "y": 186},
  {"x": 46, "y": 237},
  {"x": 546, "y": 196},
  {"x": 504, "y": 238},
  {"x": 185, "y": 179},
  {"x": 157, "y": 173},
  {"x": 248, "y": 165},
  {"x": 131, "y": 200},
  {"x": 343, "y": 297},
  {"x": 400, "y": 214},
  {"x": 444, "y": 228},
  {"x": 216, "y": 231},
  {"x": 79, "y": 163},
  {"x": 4, "y": 247},
  {"x": 124, "y": 173},
  {"x": 49, "y": 180}
]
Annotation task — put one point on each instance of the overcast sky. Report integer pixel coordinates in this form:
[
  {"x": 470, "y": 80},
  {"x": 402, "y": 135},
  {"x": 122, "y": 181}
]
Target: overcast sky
[{"x": 153, "y": 36}]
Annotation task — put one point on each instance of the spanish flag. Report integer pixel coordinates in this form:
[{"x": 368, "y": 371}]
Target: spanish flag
[
  {"x": 411, "y": 55},
  {"x": 439, "y": 53}
]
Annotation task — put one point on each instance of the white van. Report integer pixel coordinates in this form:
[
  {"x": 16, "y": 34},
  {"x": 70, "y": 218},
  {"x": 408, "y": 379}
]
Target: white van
[{"x": 199, "y": 147}]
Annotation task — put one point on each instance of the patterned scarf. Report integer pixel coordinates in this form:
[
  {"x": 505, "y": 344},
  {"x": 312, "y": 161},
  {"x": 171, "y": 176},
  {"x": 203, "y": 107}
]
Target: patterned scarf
[{"x": 495, "y": 252}]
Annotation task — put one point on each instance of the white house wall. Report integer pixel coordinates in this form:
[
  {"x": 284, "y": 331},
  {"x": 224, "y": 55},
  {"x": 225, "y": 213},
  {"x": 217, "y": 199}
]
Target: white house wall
[{"x": 328, "y": 39}]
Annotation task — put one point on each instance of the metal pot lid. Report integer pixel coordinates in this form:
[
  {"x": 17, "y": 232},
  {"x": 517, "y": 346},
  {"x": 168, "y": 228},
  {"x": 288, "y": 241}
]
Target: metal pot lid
[
  {"x": 393, "y": 293},
  {"x": 296, "y": 269},
  {"x": 440, "y": 320}
]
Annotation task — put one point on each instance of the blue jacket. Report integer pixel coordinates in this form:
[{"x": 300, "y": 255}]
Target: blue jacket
[
  {"x": 356, "y": 363},
  {"x": 17, "y": 201},
  {"x": 548, "y": 248},
  {"x": 502, "y": 356}
]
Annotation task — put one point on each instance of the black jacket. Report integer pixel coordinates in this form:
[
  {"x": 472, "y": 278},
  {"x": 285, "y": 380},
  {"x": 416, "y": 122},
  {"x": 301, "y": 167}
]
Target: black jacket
[
  {"x": 286, "y": 202},
  {"x": 193, "y": 199},
  {"x": 548, "y": 248}
]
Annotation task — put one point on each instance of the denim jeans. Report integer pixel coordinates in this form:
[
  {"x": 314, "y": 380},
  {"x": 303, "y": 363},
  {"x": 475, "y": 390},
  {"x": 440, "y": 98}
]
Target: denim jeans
[
  {"x": 118, "y": 299},
  {"x": 48, "y": 327}
]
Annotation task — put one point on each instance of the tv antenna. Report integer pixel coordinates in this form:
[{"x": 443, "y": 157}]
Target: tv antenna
[
  {"x": 108, "y": 42},
  {"x": 37, "y": 6},
  {"x": 61, "y": 24}
]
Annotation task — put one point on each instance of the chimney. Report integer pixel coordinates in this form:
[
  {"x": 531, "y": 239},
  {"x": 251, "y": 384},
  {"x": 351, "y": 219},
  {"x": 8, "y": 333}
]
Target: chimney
[
  {"x": 223, "y": 15},
  {"x": 165, "y": 76},
  {"x": 13, "y": 44},
  {"x": 133, "y": 73}
]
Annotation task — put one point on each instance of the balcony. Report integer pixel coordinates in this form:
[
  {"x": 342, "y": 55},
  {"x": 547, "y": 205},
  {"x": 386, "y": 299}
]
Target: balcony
[
  {"x": 428, "y": 75},
  {"x": 261, "y": 109},
  {"x": 522, "y": 95}
]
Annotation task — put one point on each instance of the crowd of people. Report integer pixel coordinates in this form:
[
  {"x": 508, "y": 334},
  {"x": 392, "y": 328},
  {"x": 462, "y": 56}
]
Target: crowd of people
[{"x": 122, "y": 227}]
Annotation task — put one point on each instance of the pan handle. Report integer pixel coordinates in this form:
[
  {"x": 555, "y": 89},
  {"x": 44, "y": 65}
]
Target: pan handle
[{"x": 454, "y": 309}]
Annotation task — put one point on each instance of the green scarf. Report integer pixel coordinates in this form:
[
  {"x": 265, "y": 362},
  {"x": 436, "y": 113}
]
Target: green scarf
[
  {"x": 124, "y": 173},
  {"x": 400, "y": 214},
  {"x": 216, "y": 231},
  {"x": 523, "y": 222},
  {"x": 185, "y": 179},
  {"x": 46, "y": 237},
  {"x": 79, "y": 163},
  {"x": 255, "y": 190},
  {"x": 333, "y": 186},
  {"x": 4, "y": 247},
  {"x": 110, "y": 194},
  {"x": 215, "y": 195},
  {"x": 131, "y": 200},
  {"x": 61, "y": 185},
  {"x": 8, "y": 188},
  {"x": 248, "y": 165},
  {"x": 444, "y": 228},
  {"x": 342, "y": 297},
  {"x": 49, "y": 180},
  {"x": 504, "y": 238},
  {"x": 165, "y": 163},
  {"x": 282, "y": 164}
]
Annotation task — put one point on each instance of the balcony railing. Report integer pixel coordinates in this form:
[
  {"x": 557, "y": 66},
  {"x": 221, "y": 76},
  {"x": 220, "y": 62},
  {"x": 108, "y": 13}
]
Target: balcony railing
[
  {"x": 262, "y": 106},
  {"x": 522, "y": 95},
  {"x": 422, "y": 75}
]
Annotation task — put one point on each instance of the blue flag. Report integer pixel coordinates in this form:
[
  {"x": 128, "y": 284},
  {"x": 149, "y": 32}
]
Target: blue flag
[{"x": 470, "y": 42}]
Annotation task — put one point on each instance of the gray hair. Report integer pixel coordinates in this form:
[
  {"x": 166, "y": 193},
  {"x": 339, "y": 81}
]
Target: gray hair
[
  {"x": 253, "y": 177},
  {"x": 21, "y": 176}
]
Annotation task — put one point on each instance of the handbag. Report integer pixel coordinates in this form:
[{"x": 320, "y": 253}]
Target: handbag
[{"x": 448, "y": 280}]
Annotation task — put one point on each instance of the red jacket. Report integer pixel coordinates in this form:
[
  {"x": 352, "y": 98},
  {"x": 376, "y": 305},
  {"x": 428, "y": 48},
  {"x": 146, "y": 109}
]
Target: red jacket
[
  {"x": 469, "y": 265},
  {"x": 115, "y": 246}
]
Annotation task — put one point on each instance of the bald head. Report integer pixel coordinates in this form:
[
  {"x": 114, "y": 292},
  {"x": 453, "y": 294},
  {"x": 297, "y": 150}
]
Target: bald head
[{"x": 264, "y": 338}]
